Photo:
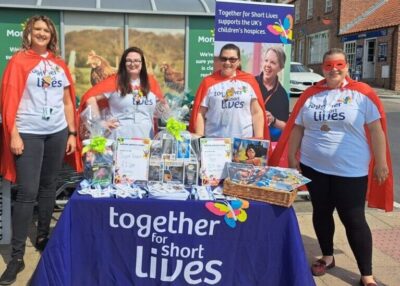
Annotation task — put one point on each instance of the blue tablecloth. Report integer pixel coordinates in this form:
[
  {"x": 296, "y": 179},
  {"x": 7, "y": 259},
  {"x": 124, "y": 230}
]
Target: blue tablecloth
[{"x": 154, "y": 242}]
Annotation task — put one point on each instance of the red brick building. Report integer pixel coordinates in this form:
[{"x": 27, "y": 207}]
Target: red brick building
[{"x": 367, "y": 30}]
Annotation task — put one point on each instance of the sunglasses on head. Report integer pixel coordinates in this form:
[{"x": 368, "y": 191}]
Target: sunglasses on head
[
  {"x": 330, "y": 65},
  {"x": 231, "y": 60}
]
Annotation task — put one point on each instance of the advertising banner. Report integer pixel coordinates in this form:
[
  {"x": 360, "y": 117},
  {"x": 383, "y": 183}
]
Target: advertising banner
[{"x": 255, "y": 27}]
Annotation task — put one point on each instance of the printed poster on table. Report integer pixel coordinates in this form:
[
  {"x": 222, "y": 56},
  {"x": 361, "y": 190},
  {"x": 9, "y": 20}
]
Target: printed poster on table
[
  {"x": 250, "y": 151},
  {"x": 254, "y": 27},
  {"x": 132, "y": 160},
  {"x": 215, "y": 153}
]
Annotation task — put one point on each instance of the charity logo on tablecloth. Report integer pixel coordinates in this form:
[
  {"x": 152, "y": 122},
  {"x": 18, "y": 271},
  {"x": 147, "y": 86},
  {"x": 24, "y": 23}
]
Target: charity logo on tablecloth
[
  {"x": 232, "y": 211},
  {"x": 171, "y": 258}
]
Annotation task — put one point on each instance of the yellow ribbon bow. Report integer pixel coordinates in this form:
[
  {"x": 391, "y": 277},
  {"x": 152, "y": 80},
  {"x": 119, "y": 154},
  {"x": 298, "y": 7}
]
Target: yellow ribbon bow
[
  {"x": 97, "y": 144},
  {"x": 175, "y": 127}
]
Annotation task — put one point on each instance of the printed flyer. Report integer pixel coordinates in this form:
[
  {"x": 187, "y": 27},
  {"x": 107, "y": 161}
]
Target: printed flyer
[
  {"x": 215, "y": 153},
  {"x": 132, "y": 160}
]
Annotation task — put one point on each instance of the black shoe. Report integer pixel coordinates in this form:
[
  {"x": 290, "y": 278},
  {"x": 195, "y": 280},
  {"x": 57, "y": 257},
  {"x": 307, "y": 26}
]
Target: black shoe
[
  {"x": 41, "y": 243},
  {"x": 14, "y": 267}
]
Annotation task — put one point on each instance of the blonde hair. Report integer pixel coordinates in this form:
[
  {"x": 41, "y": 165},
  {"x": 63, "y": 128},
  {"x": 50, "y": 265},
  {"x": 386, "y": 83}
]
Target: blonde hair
[
  {"x": 279, "y": 53},
  {"x": 27, "y": 33}
]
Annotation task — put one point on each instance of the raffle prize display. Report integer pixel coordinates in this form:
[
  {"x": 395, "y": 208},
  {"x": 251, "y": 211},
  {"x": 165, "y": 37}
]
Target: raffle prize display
[{"x": 168, "y": 166}]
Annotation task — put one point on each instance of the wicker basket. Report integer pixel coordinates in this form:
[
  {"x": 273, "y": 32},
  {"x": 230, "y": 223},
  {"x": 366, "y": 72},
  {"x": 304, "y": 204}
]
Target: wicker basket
[{"x": 280, "y": 198}]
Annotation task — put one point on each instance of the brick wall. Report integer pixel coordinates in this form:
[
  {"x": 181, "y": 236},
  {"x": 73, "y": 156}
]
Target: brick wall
[
  {"x": 316, "y": 24},
  {"x": 379, "y": 81},
  {"x": 395, "y": 82}
]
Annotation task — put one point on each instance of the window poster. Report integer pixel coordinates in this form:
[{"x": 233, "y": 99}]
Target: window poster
[
  {"x": 132, "y": 160},
  {"x": 94, "y": 43},
  {"x": 201, "y": 51},
  {"x": 215, "y": 153}
]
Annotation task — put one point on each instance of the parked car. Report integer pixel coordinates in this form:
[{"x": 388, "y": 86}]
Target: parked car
[{"x": 301, "y": 77}]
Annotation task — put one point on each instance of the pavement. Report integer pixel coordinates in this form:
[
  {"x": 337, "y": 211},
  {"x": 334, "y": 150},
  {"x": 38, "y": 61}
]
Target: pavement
[{"x": 385, "y": 228}]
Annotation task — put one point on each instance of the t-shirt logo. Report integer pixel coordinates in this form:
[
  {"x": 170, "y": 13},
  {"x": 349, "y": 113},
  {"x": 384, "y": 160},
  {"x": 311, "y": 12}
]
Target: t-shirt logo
[
  {"x": 229, "y": 93},
  {"x": 347, "y": 100}
]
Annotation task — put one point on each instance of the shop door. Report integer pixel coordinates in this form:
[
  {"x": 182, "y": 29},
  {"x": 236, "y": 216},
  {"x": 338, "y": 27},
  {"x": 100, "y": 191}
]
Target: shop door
[{"x": 369, "y": 58}]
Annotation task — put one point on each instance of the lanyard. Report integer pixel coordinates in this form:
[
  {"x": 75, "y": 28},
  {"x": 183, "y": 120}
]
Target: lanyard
[{"x": 46, "y": 81}]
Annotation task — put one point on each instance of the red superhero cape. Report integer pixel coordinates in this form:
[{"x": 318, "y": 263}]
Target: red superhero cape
[
  {"x": 13, "y": 85},
  {"x": 110, "y": 85},
  {"x": 378, "y": 196},
  {"x": 215, "y": 78}
]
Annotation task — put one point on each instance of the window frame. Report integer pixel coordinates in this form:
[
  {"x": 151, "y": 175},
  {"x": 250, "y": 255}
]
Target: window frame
[
  {"x": 310, "y": 9},
  {"x": 328, "y": 6},
  {"x": 297, "y": 12},
  {"x": 316, "y": 50}
]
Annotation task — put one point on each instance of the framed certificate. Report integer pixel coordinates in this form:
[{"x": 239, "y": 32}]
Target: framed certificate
[
  {"x": 215, "y": 153},
  {"x": 132, "y": 160}
]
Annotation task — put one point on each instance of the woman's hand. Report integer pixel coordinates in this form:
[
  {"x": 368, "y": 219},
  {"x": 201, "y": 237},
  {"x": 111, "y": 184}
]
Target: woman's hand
[
  {"x": 71, "y": 145},
  {"x": 270, "y": 118},
  {"x": 16, "y": 144},
  {"x": 381, "y": 173},
  {"x": 110, "y": 124}
]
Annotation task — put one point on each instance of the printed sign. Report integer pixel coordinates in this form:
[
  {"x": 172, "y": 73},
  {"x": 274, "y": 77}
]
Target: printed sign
[{"x": 132, "y": 160}]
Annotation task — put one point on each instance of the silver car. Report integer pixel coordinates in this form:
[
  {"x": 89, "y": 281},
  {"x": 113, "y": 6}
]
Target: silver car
[{"x": 301, "y": 77}]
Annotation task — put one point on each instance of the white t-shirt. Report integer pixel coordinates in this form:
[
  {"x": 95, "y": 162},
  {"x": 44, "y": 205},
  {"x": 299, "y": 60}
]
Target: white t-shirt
[
  {"x": 33, "y": 102},
  {"x": 229, "y": 112},
  {"x": 334, "y": 140},
  {"x": 135, "y": 117}
]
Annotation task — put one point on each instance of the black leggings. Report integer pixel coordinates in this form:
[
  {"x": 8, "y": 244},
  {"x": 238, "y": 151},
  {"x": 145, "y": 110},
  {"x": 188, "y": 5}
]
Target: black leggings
[
  {"x": 37, "y": 170},
  {"x": 347, "y": 195}
]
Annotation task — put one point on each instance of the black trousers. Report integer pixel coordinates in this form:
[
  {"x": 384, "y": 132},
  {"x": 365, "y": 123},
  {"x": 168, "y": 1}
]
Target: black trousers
[
  {"x": 37, "y": 170},
  {"x": 347, "y": 195}
]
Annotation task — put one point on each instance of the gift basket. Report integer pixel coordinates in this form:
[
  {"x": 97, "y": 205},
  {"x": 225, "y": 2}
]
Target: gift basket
[
  {"x": 98, "y": 151},
  {"x": 274, "y": 185},
  {"x": 174, "y": 151}
]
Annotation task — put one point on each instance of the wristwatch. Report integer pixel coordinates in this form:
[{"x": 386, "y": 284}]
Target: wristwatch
[{"x": 73, "y": 133}]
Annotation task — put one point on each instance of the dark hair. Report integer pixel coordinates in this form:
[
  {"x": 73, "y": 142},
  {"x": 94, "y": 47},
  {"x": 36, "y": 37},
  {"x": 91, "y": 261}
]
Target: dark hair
[
  {"x": 280, "y": 54},
  {"x": 27, "y": 33},
  {"x": 251, "y": 146},
  {"x": 124, "y": 81},
  {"x": 230, "y": 47},
  {"x": 334, "y": 51}
]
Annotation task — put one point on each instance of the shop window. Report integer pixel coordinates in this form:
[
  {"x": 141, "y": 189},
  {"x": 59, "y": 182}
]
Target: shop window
[
  {"x": 300, "y": 50},
  {"x": 328, "y": 6},
  {"x": 297, "y": 12},
  {"x": 94, "y": 42},
  {"x": 310, "y": 9},
  {"x": 371, "y": 51},
  {"x": 162, "y": 38},
  {"x": 318, "y": 44},
  {"x": 382, "y": 52},
  {"x": 350, "y": 50}
]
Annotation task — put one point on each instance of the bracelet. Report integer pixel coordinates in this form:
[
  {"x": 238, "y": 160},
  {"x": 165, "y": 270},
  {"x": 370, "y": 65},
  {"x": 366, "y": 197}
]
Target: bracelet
[{"x": 73, "y": 133}]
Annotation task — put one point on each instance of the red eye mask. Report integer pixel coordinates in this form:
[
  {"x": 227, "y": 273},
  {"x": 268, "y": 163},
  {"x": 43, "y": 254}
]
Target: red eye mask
[{"x": 330, "y": 65}]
